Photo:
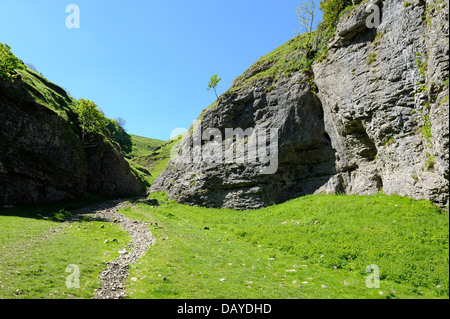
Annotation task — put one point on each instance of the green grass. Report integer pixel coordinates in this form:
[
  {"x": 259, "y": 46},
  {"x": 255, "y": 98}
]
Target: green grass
[
  {"x": 143, "y": 145},
  {"x": 283, "y": 60},
  {"x": 156, "y": 160},
  {"x": 141, "y": 173},
  {"x": 46, "y": 93},
  {"x": 36, "y": 248},
  {"x": 149, "y": 157},
  {"x": 372, "y": 58},
  {"x": 292, "y": 249},
  {"x": 316, "y": 246}
]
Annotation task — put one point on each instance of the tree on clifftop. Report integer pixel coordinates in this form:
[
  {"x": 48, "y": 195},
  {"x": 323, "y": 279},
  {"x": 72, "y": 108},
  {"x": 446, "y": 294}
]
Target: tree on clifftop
[
  {"x": 306, "y": 13},
  {"x": 213, "y": 83}
]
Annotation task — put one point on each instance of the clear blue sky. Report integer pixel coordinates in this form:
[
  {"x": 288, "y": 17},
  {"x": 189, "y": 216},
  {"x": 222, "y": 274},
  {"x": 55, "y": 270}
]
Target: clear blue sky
[{"x": 146, "y": 61}]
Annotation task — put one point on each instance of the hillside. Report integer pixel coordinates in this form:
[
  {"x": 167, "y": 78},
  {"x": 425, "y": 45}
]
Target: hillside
[
  {"x": 150, "y": 156},
  {"x": 142, "y": 146},
  {"x": 43, "y": 157}
]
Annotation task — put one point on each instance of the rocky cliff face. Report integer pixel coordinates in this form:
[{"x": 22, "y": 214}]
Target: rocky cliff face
[
  {"x": 386, "y": 102},
  {"x": 305, "y": 156},
  {"x": 372, "y": 116},
  {"x": 42, "y": 158}
]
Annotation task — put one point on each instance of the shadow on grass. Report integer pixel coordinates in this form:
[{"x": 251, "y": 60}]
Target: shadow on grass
[{"x": 63, "y": 211}]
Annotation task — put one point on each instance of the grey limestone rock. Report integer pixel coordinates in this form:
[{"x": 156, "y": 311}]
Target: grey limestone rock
[{"x": 379, "y": 120}]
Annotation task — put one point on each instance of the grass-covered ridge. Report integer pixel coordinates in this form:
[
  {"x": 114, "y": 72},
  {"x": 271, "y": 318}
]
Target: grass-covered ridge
[
  {"x": 143, "y": 145},
  {"x": 156, "y": 160},
  {"x": 282, "y": 61},
  {"x": 316, "y": 246}
]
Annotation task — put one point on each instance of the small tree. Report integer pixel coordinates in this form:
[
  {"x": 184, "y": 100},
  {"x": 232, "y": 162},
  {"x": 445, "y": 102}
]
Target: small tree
[
  {"x": 8, "y": 63},
  {"x": 306, "y": 13},
  {"x": 213, "y": 83}
]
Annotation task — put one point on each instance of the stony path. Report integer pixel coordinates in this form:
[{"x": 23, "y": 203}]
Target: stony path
[{"x": 114, "y": 277}]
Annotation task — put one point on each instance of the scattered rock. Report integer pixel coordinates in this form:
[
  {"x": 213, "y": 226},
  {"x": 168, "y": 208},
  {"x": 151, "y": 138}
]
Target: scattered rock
[{"x": 114, "y": 276}]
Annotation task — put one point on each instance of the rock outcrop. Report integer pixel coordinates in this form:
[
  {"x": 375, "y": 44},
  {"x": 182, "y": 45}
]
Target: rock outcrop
[
  {"x": 373, "y": 116},
  {"x": 305, "y": 156},
  {"x": 386, "y": 102},
  {"x": 42, "y": 158}
]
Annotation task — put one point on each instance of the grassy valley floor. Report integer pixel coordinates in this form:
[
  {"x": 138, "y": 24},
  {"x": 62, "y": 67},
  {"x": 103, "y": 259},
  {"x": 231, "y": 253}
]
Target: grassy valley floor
[
  {"x": 39, "y": 249},
  {"x": 316, "y": 246}
]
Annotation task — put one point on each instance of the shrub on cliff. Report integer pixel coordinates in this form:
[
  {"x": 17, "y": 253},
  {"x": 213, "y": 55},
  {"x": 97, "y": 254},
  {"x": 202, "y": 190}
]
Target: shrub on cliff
[
  {"x": 91, "y": 120},
  {"x": 8, "y": 63},
  {"x": 331, "y": 10}
]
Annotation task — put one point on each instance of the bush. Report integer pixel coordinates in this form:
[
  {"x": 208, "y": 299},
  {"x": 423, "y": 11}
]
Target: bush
[
  {"x": 92, "y": 121},
  {"x": 8, "y": 63},
  {"x": 331, "y": 9},
  {"x": 61, "y": 216},
  {"x": 331, "y": 12}
]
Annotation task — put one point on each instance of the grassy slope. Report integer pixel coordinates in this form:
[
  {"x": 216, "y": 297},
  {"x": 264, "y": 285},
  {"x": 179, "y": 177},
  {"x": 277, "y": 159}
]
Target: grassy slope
[
  {"x": 315, "y": 240},
  {"x": 35, "y": 252},
  {"x": 156, "y": 160},
  {"x": 143, "y": 145},
  {"x": 46, "y": 93},
  {"x": 272, "y": 66}
]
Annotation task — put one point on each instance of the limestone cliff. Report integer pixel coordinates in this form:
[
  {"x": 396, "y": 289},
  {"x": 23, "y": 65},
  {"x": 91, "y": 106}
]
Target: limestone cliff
[
  {"x": 371, "y": 115},
  {"x": 42, "y": 158}
]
